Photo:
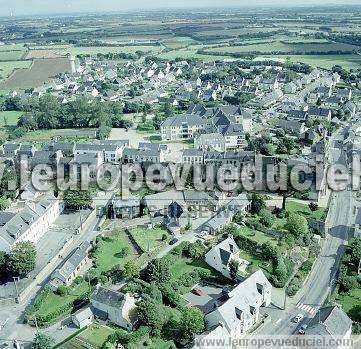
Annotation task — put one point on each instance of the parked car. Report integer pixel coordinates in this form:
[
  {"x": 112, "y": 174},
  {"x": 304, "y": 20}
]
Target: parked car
[
  {"x": 302, "y": 329},
  {"x": 298, "y": 318},
  {"x": 173, "y": 241},
  {"x": 197, "y": 292}
]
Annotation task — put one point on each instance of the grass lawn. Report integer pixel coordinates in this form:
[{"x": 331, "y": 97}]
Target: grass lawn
[
  {"x": 256, "y": 263},
  {"x": 351, "y": 303},
  {"x": 96, "y": 335},
  {"x": 54, "y": 303},
  {"x": 181, "y": 265},
  {"x": 150, "y": 239},
  {"x": 41, "y": 137},
  {"x": 305, "y": 211},
  {"x": 9, "y": 118},
  {"x": 256, "y": 235},
  {"x": 107, "y": 254}
]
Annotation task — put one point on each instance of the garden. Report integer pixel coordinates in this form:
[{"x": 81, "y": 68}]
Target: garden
[{"x": 348, "y": 289}]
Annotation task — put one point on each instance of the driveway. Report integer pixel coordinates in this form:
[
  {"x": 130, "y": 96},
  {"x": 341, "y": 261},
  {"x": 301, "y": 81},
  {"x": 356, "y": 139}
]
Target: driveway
[{"x": 205, "y": 302}]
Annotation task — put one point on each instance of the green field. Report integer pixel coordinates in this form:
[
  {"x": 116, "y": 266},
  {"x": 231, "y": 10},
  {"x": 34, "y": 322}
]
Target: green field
[
  {"x": 92, "y": 50},
  {"x": 9, "y": 118},
  {"x": 328, "y": 61},
  {"x": 190, "y": 52},
  {"x": 41, "y": 71},
  {"x": 280, "y": 47},
  {"x": 11, "y": 55},
  {"x": 150, "y": 239},
  {"x": 41, "y": 137},
  {"x": 6, "y": 68}
]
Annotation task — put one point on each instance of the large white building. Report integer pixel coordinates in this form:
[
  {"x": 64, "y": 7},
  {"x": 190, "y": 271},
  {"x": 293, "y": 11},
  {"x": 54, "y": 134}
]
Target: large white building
[
  {"x": 241, "y": 310},
  {"x": 30, "y": 224}
]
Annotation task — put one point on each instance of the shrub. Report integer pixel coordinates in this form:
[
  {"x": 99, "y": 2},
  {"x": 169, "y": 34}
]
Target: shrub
[
  {"x": 313, "y": 206},
  {"x": 62, "y": 291},
  {"x": 266, "y": 218}
]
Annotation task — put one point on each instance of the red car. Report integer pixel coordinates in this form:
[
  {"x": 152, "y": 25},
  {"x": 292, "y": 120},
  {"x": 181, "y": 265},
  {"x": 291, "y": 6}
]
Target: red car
[{"x": 197, "y": 292}]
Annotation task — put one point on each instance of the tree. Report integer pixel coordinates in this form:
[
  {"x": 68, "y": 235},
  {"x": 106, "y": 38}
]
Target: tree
[
  {"x": 157, "y": 271},
  {"x": 28, "y": 122},
  {"x": 258, "y": 203},
  {"x": 191, "y": 324},
  {"x": 131, "y": 269},
  {"x": 355, "y": 248},
  {"x": 348, "y": 283},
  {"x": 297, "y": 225},
  {"x": 269, "y": 252},
  {"x": 22, "y": 258},
  {"x": 76, "y": 199},
  {"x": 152, "y": 315},
  {"x": 4, "y": 203},
  {"x": 313, "y": 206},
  {"x": 280, "y": 272},
  {"x": 233, "y": 268},
  {"x": 42, "y": 341},
  {"x": 266, "y": 217},
  {"x": 3, "y": 262}
]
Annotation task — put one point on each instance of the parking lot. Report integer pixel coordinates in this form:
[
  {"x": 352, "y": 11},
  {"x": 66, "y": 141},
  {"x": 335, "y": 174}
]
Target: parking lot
[{"x": 209, "y": 295}]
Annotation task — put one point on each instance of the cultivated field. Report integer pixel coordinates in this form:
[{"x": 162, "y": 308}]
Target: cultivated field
[
  {"x": 6, "y": 68},
  {"x": 41, "y": 71}
]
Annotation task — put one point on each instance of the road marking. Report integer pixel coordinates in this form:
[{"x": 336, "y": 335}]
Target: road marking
[
  {"x": 278, "y": 321},
  {"x": 307, "y": 308}
]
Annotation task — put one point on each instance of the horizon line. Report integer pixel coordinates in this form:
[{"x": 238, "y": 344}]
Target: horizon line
[{"x": 175, "y": 8}]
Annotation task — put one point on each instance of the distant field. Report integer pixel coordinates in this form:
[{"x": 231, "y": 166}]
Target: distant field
[
  {"x": 6, "y": 68},
  {"x": 9, "y": 118},
  {"x": 11, "y": 55},
  {"x": 40, "y": 72},
  {"x": 190, "y": 52},
  {"x": 92, "y": 50},
  {"x": 328, "y": 61},
  {"x": 280, "y": 47},
  {"x": 13, "y": 47}
]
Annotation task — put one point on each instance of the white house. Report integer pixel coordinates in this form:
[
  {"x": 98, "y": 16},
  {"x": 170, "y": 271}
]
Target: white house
[
  {"x": 240, "y": 311},
  {"x": 220, "y": 256},
  {"x": 83, "y": 317},
  {"x": 116, "y": 307}
]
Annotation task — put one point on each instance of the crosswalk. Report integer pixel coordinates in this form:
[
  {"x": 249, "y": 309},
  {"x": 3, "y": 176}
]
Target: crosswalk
[{"x": 307, "y": 308}]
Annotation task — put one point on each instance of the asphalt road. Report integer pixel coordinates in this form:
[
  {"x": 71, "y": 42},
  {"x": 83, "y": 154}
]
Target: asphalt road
[{"x": 319, "y": 284}]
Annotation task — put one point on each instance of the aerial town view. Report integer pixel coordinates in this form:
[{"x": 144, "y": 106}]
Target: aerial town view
[{"x": 180, "y": 174}]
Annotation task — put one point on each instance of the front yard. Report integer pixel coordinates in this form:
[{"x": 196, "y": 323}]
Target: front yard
[
  {"x": 150, "y": 240},
  {"x": 302, "y": 209},
  {"x": 49, "y": 306}
]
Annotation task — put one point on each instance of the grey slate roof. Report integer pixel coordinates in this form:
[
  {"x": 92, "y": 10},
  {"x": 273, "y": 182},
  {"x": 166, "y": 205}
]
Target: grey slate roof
[
  {"x": 74, "y": 260},
  {"x": 330, "y": 321},
  {"x": 178, "y": 120},
  {"x": 109, "y": 297}
]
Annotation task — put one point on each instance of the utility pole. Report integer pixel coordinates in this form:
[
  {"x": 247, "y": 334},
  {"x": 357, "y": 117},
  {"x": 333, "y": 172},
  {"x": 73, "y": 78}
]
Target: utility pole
[
  {"x": 16, "y": 279},
  {"x": 36, "y": 324}
]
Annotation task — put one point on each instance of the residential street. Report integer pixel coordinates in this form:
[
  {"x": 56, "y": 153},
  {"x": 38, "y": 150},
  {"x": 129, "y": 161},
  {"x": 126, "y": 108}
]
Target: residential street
[{"x": 317, "y": 288}]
